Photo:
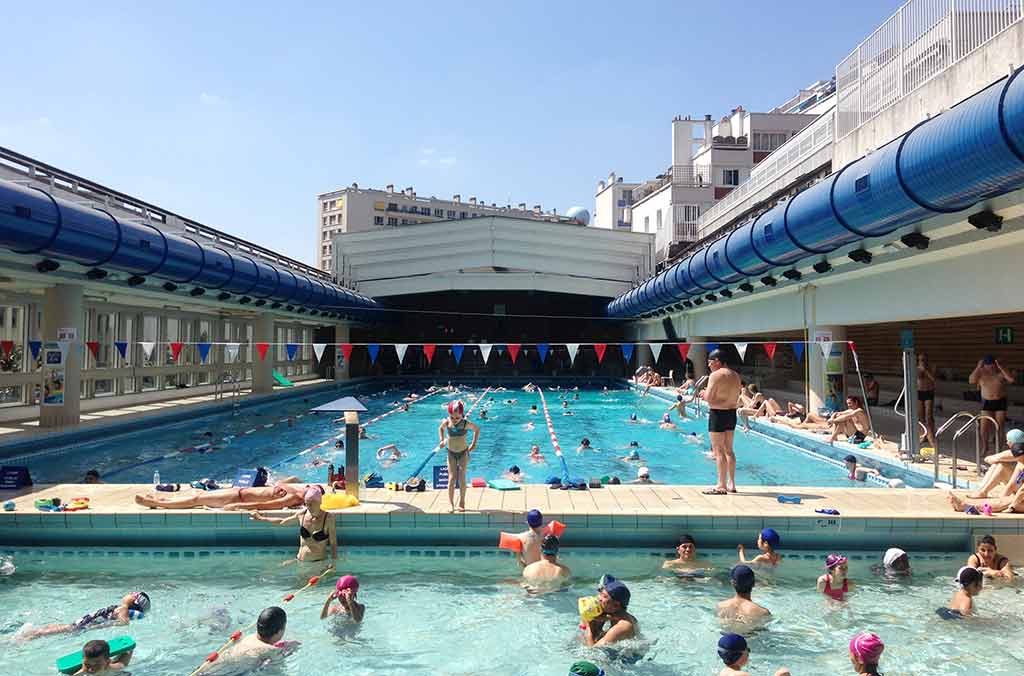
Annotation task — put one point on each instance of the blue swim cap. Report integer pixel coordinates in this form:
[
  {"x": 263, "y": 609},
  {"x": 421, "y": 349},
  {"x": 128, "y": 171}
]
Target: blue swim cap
[
  {"x": 771, "y": 537},
  {"x": 634, "y": 454},
  {"x": 731, "y": 648},
  {"x": 534, "y": 518},
  {"x": 742, "y": 578}
]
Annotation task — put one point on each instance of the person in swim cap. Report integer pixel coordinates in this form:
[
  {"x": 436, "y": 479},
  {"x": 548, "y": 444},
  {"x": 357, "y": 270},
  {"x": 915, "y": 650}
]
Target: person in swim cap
[
  {"x": 961, "y": 605},
  {"x": 741, "y": 609},
  {"x": 895, "y": 562},
  {"x": 583, "y": 668},
  {"x": 633, "y": 455},
  {"x": 535, "y": 455},
  {"x": 666, "y": 422},
  {"x": 584, "y": 445},
  {"x": 767, "y": 541},
  {"x": 633, "y": 418},
  {"x": 133, "y": 606},
  {"x": 513, "y": 473},
  {"x": 453, "y": 433},
  {"x": 1003, "y": 467},
  {"x": 854, "y": 472},
  {"x": 733, "y": 650},
  {"x": 834, "y": 583},
  {"x": 548, "y": 569},
  {"x": 865, "y": 653},
  {"x": 531, "y": 538},
  {"x": 345, "y": 590},
  {"x": 614, "y": 599}
]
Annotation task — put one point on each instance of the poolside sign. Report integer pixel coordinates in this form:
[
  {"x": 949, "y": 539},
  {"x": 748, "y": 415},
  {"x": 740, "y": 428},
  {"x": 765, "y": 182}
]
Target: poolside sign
[
  {"x": 440, "y": 477},
  {"x": 12, "y": 477}
]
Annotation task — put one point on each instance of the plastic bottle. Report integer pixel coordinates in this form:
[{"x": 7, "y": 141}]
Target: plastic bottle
[{"x": 156, "y": 478}]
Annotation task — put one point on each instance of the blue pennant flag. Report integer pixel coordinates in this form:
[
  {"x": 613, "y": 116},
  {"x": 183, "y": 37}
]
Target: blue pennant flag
[
  {"x": 627, "y": 351},
  {"x": 36, "y": 345},
  {"x": 204, "y": 351},
  {"x": 711, "y": 347},
  {"x": 798, "y": 350},
  {"x": 291, "y": 349},
  {"x": 373, "y": 349},
  {"x": 457, "y": 351},
  {"x": 542, "y": 349}
]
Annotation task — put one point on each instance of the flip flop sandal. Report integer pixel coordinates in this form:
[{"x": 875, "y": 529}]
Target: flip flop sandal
[{"x": 715, "y": 491}]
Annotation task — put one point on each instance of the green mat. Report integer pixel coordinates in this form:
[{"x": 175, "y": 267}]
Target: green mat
[{"x": 281, "y": 380}]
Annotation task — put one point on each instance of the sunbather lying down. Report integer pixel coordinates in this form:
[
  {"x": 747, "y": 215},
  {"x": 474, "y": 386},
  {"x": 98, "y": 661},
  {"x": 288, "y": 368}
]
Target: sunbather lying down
[
  {"x": 1012, "y": 503},
  {"x": 283, "y": 494}
]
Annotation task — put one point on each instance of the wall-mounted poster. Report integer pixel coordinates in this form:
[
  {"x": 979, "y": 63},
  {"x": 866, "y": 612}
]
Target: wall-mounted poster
[{"x": 53, "y": 377}]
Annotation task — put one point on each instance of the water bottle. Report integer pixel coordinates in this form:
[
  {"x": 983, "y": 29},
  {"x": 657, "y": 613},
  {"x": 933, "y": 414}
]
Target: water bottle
[{"x": 156, "y": 478}]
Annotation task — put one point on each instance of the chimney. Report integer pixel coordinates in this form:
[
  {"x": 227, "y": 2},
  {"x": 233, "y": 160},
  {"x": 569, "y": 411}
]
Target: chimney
[
  {"x": 409, "y": 191},
  {"x": 708, "y": 130},
  {"x": 472, "y": 200},
  {"x": 522, "y": 206},
  {"x": 457, "y": 198},
  {"x": 391, "y": 187},
  {"x": 536, "y": 208},
  {"x": 355, "y": 186}
]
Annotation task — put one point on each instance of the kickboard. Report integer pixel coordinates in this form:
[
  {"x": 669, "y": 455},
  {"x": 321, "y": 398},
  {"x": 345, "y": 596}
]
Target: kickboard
[
  {"x": 503, "y": 485},
  {"x": 70, "y": 664},
  {"x": 281, "y": 380}
]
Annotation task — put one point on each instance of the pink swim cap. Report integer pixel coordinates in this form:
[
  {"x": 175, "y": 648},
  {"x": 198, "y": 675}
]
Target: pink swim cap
[
  {"x": 456, "y": 405},
  {"x": 347, "y": 582},
  {"x": 866, "y": 647},
  {"x": 311, "y": 493}
]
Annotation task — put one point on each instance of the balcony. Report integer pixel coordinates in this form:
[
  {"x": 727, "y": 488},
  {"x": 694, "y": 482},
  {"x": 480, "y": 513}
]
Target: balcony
[{"x": 680, "y": 176}]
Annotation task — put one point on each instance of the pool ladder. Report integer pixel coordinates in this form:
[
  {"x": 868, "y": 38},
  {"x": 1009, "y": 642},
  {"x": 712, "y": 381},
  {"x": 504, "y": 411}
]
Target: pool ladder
[
  {"x": 973, "y": 422},
  {"x": 228, "y": 386},
  {"x": 696, "y": 392}
]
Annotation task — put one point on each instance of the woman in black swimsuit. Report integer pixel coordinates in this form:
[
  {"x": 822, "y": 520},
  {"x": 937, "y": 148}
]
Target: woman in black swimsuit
[
  {"x": 988, "y": 560},
  {"x": 926, "y": 397},
  {"x": 316, "y": 527}
]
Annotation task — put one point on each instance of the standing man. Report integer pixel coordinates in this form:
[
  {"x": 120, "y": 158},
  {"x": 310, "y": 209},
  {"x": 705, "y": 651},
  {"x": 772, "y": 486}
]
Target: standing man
[
  {"x": 926, "y": 398},
  {"x": 992, "y": 379},
  {"x": 722, "y": 396}
]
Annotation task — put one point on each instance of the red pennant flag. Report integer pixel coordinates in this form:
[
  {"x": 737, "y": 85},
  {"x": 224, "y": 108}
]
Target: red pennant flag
[
  {"x": 7, "y": 346},
  {"x": 175, "y": 350},
  {"x": 261, "y": 350},
  {"x": 684, "y": 349},
  {"x": 853, "y": 348},
  {"x": 599, "y": 348},
  {"x": 94, "y": 348},
  {"x": 346, "y": 351},
  {"x": 429, "y": 351},
  {"x": 513, "y": 351},
  {"x": 770, "y": 349}
]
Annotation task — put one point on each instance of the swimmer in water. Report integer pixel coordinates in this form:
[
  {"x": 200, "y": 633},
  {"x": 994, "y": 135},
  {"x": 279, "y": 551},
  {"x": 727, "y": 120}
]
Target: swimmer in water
[
  {"x": 666, "y": 423},
  {"x": 633, "y": 420},
  {"x": 694, "y": 438},
  {"x": 132, "y": 606},
  {"x": 614, "y": 599},
  {"x": 266, "y": 645},
  {"x": 535, "y": 455},
  {"x": 767, "y": 541},
  {"x": 733, "y": 650},
  {"x": 513, "y": 473},
  {"x": 528, "y": 426},
  {"x": 679, "y": 407},
  {"x": 339, "y": 444},
  {"x": 632, "y": 456},
  {"x": 533, "y": 409},
  {"x": 741, "y": 608},
  {"x": 961, "y": 605},
  {"x": 856, "y": 473},
  {"x": 834, "y": 583},
  {"x": 483, "y": 414},
  {"x": 96, "y": 659},
  {"x": 565, "y": 404},
  {"x": 388, "y": 459},
  {"x": 686, "y": 556},
  {"x": 345, "y": 590},
  {"x": 584, "y": 445}
]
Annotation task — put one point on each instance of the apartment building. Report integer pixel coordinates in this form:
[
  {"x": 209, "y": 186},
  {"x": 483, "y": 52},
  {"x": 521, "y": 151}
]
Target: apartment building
[{"x": 356, "y": 209}]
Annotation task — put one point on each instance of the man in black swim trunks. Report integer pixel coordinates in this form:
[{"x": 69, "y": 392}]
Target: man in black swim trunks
[
  {"x": 992, "y": 379},
  {"x": 722, "y": 395}
]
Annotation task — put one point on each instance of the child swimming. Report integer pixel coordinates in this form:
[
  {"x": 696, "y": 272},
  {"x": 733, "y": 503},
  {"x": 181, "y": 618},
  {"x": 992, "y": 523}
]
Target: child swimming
[
  {"x": 767, "y": 541},
  {"x": 834, "y": 583},
  {"x": 961, "y": 605}
]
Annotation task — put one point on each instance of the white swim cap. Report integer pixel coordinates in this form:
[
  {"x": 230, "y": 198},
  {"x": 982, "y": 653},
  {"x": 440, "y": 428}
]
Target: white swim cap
[{"x": 892, "y": 554}]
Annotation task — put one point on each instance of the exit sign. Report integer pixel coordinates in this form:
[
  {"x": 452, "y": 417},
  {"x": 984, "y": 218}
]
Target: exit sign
[{"x": 1004, "y": 335}]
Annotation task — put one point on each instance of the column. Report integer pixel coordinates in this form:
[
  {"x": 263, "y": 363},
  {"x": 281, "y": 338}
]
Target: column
[
  {"x": 698, "y": 355},
  {"x": 63, "y": 313},
  {"x": 263, "y": 371},
  {"x": 826, "y": 380},
  {"x": 341, "y": 335}
]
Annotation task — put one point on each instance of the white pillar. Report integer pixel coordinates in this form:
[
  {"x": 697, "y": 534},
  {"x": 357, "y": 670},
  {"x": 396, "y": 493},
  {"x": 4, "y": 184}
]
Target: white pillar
[
  {"x": 263, "y": 371},
  {"x": 826, "y": 380},
  {"x": 341, "y": 335},
  {"x": 62, "y": 309}
]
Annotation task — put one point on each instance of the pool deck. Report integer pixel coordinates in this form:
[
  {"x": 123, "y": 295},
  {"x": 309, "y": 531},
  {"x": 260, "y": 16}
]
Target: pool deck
[{"x": 610, "y": 516}]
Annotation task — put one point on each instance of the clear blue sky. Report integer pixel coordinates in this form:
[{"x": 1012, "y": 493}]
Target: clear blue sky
[{"x": 238, "y": 114}]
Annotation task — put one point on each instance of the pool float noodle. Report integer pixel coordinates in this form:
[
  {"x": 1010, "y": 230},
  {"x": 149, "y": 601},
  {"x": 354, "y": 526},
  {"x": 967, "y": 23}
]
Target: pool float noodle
[
  {"x": 215, "y": 655},
  {"x": 437, "y": 448}
]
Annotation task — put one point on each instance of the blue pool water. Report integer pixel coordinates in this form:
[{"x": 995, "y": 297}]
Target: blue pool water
[
  {"x": 462, "y": 611},
  {"x": 603, "y": 417}
]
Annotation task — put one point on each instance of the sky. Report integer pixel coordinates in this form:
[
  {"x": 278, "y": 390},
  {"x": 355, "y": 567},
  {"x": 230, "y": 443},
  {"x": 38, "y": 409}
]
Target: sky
[{"x": 238, "y": 114}]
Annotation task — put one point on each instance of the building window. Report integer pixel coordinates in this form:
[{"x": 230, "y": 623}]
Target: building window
[
  {"x": 627, "y": 196},
  {"x": 324, "y": 205},
  {"x": 326, "y": 236},
  {"x": 378, "y": 220},
  {"x": 451, "y": 214},
  {"x": 392, "y": 220},
  {"x": 658, "y": 217},
  {"x": 730, "y": 177},
  {"x": 768, "y": 142},
  {"x": 392, "y": 206},
  {"x": 425, "y": 211},
  {"x": 326, "y": 250},
  {"x": 462, "y": 214},
  {"x": 325, "y": 220},
  {"x": 647, "y": 223},
  {"x": 475, "y": 215},
  {"x": 439, "y": 213}
]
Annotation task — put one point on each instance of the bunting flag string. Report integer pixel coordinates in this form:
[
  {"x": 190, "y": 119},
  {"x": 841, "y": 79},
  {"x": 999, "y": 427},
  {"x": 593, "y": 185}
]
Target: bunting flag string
[
  {"x": 711, "y": 347},
  {"x": 346, "y": 351},
  {"x": 770, "y": 349},
  {"x": 8, "y": 346},
  {"x": 93, "y": 345},
  {"x": 742, "y": 349},
  {"x": 599, "y": 348},
  {"x": 684, "y": 349},
  {"x": 374, "y": 350},
  {"x": 122, "y": 348},
  {"x": 627, "y": 352},
  {"x": 204, "y": 351},
  {"x": 573, "y": 349},
  {"x": 261, "y": 350},
  {"x": 63, "y": 346},
  {"x": 176, "y": 350},
  {"x": 513, "y": 351},
  {"x": 147, "y": 348},
  {"x": 400, "y": 349},
  {"x": 291, "y": 349},
  {"x": 655, "y": 350},
  {"x": 542, "y": 350},
  {"x": 318, "y": 350},
  {"x": 798, "y": 350},
  {"x": 485, "y": 351},
  {"x": 457, "y": 351},
  {"x": 36, "y": 345},
  {"x": 429, "y": 351},
  {"x": 853, "y": 347},
  {"x": 231, "y": 352},
  {"x": 826, "y": 348}
]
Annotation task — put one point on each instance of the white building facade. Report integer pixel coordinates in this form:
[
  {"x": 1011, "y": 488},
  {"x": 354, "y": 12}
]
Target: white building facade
[{"x": 612, "y": 204}]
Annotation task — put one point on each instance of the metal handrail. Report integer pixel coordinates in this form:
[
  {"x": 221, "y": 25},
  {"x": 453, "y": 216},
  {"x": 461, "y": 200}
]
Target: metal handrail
[
  {"x": 977, "y": 441},
  {"x": 949, "y": 422},
  {"x": 696, "y": 391},
  {"x": 903, "y": 413}
]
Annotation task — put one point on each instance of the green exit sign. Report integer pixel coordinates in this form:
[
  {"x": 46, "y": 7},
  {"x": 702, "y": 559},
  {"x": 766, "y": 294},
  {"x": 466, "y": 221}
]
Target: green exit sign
[{"x": 1004, "y": 335}]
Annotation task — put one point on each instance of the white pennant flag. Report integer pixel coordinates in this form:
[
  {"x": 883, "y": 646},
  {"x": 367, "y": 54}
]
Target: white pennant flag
[
  {"x": 742, "y": 349},
  {"x": 400, "y": 348},
  {"x": 826, "y": 348},
  {"x": 485, "y": 351},
  {"x": 230, "y": 353},
  {"x": 318, "y": 350},
  {"x": 63, "y": 345},
  {"x": 656, "y": 350},
  {"x": 147, "y": 349},
  {"x": 573, "y": 349}
]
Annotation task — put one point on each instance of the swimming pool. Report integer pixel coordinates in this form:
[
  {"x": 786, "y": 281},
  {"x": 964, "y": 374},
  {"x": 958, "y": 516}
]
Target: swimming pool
[
  {"x": 261, "y": 436},
  {"x": 462, "y": 611}
]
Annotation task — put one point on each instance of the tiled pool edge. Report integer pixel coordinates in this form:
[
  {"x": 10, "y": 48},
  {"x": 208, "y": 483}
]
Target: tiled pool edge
[{"x": 803, "y": 442}]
